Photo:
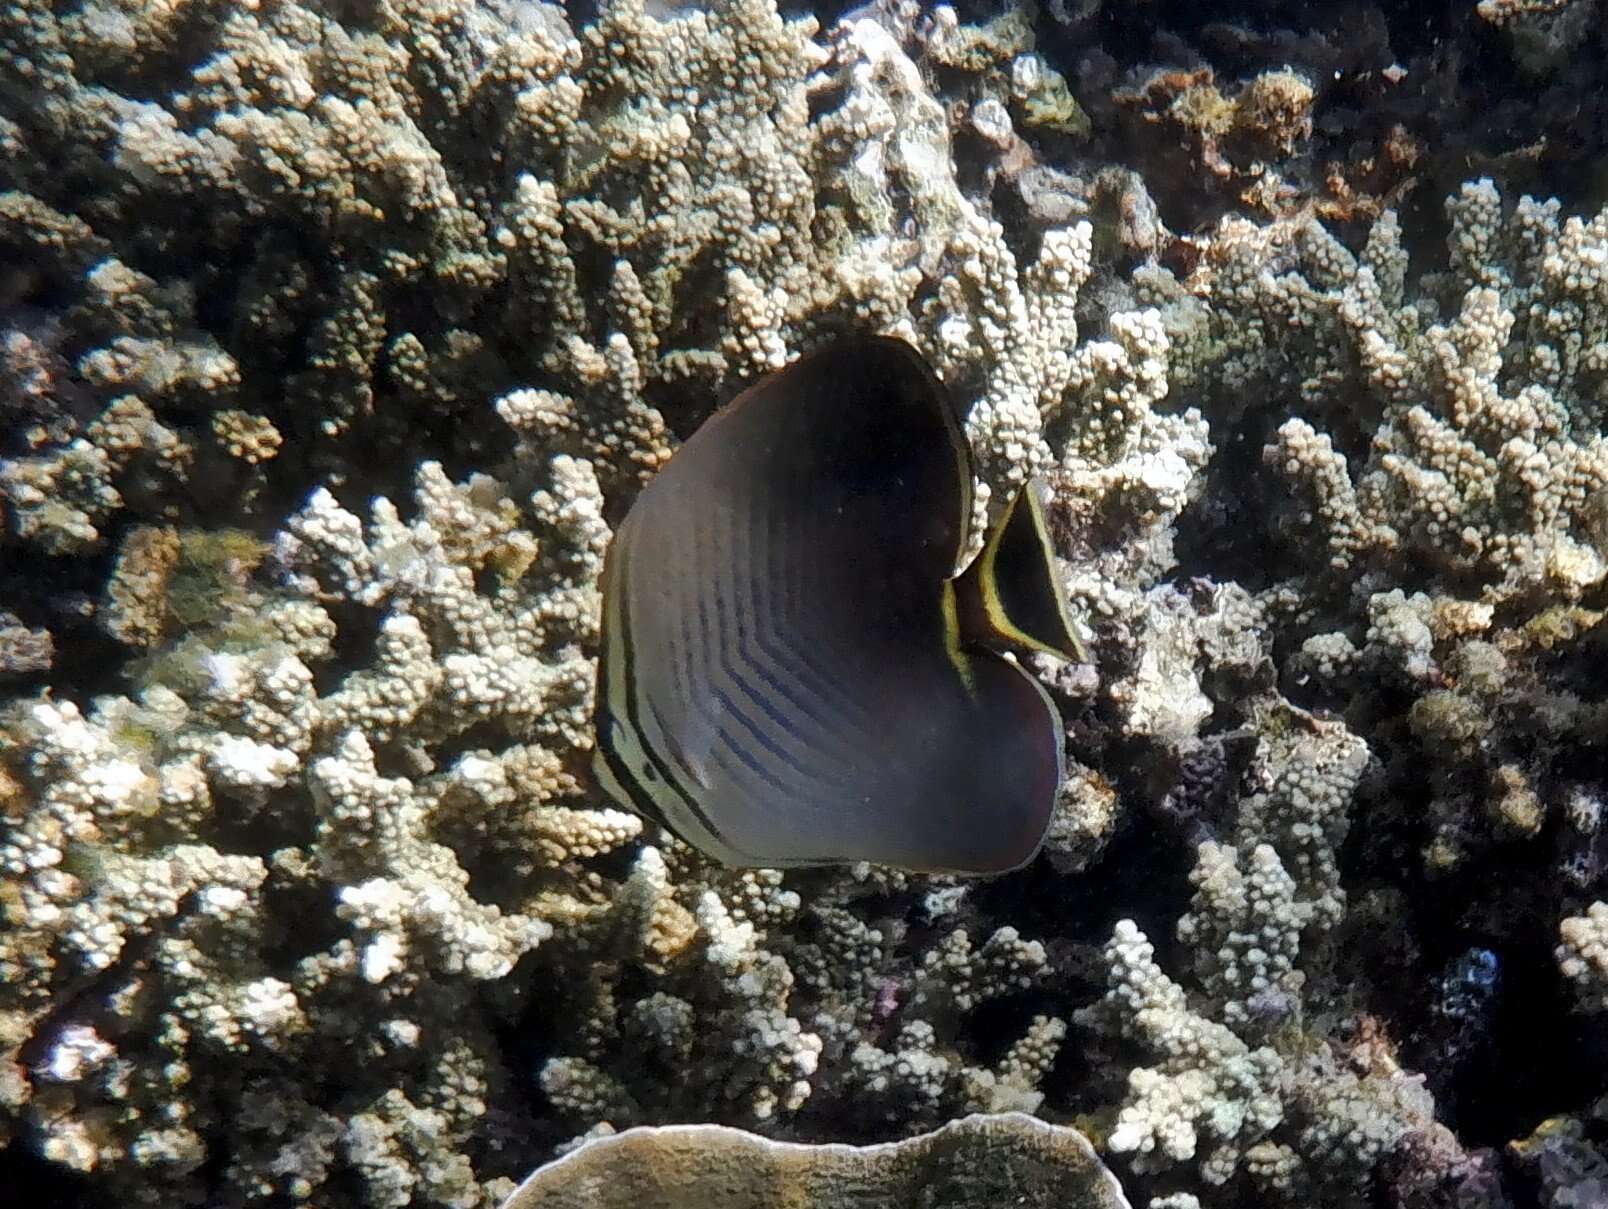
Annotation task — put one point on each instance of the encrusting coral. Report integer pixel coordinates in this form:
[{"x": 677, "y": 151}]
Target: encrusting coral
[
  {"x": 967, "y": 1164},
  {"x": 363, "y": 324}
]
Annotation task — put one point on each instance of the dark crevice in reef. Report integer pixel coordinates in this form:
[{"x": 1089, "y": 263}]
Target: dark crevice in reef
[
  {"x": 1225, "y": 533},
  {"x": 37, "y": 1181},
  {"x": 61, "y": 594},
  {"x": 1543, "y": 1058},
  {"x": 1476, "y": 1002},
  {"x": 1495, "y": 1032},
  {"x": 356, "y": 629},
  {"x": 1083, "y": 908}
]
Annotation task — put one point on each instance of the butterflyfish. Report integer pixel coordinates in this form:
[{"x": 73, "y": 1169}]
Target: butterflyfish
[{"x": 790, "y": 672}]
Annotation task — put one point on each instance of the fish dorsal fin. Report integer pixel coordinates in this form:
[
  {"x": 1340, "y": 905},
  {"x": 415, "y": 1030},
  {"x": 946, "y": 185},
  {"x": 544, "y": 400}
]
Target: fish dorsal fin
[{"x": 1011, "y": 595}]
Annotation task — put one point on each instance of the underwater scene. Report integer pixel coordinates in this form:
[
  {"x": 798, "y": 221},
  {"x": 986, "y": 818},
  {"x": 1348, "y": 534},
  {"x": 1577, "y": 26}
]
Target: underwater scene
[{"x": 757, "y": 604}]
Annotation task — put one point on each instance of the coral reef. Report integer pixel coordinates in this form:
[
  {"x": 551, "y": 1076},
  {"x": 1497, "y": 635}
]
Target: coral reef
[
  {"x": 1251, "y": 108},
  {"x": 341, "y": 802},
  {"x": 1439, "y": 491},
  {"x": 1567, "y": 1158},
  {"x": 1583, "y": 955},
  {"x": 1245, "y": 1091},
  {"x": 337, "y": 337}
]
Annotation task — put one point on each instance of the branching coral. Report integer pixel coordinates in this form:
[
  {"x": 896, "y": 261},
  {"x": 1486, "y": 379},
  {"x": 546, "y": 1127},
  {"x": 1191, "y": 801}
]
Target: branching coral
[
  {"x": 1240, "y": 1088},
  {"x": 190, "y": 942},
  {"x": 1433, "y": 481},
  {"x": 1485, "y": 462},
  {"x": 346, "y": 796},
  {"x": 1441, "y": 484},
  {"x": 1583, "y": 955}
]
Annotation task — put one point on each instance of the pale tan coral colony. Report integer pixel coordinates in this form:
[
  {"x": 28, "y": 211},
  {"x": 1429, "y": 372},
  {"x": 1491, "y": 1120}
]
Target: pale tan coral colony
[{"x": 368, "y": 319}]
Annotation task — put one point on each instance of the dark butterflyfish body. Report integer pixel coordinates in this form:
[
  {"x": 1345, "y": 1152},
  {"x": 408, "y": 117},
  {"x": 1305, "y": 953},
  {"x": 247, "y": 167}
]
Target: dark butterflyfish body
[{"x": 789, "y": 674}]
